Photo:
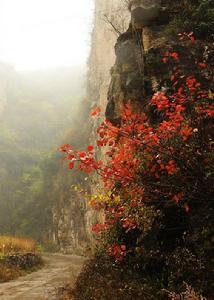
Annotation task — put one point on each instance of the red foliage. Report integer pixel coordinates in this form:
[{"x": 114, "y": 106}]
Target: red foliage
[
  {"x": 144, "y": 162},
  {"x": 118, "y": 252}
]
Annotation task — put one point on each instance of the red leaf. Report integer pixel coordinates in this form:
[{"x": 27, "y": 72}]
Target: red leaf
[
  {"x": 123, "y": 247},
  {"x": 71, "y": 165},
  {"x": 96, "y": 112},
  {"x": 175, "y": 55},
  {"x": 82, "y": 155},
  {"x": 90, "y": 148},
  {"x": 172, "y": 77}
]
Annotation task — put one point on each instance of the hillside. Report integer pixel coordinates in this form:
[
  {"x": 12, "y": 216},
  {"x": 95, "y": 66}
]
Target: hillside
[{"x": 38, "y": 109}]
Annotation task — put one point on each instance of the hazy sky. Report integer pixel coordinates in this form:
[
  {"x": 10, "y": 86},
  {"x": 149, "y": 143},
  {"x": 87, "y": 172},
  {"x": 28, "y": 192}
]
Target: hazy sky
[{"x": 37, "y": 34}]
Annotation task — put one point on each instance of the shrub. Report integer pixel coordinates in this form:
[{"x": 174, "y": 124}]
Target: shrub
[{"x": 157, "y": 178}]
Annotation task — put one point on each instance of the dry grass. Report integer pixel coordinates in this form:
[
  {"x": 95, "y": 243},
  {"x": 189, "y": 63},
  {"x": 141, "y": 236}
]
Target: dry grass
[
  {"x": 12, "y": 245},
  {"x": 8, "y": 273},
  {"x": 189, "y": 294},
  {"x": 17, "y": 257}
]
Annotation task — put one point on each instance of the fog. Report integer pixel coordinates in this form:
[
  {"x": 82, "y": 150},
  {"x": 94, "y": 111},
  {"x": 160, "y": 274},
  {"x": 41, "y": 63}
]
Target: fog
[
  {"x": 39, "y": 34},
  {"x": 44, "y": 46}
]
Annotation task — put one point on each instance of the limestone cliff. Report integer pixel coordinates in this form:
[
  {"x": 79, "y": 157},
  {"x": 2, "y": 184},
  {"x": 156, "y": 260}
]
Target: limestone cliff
[
  {"x": 72, "y": 218},
  {"x": 110, "y": 18}
]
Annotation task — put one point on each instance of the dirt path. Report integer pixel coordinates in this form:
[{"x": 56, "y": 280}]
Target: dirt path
[{"x": 41, "y": 285}]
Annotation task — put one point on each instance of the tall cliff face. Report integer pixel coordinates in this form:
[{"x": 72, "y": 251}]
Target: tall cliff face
[
  {"x": 110, "y": 19},
  {"x": 116, "y": 72},
  {"x": 72, "y": 218}
]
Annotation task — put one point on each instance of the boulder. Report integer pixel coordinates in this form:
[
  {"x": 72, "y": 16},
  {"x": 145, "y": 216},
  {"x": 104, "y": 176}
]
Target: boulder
[{"x": 144, "y": 12}]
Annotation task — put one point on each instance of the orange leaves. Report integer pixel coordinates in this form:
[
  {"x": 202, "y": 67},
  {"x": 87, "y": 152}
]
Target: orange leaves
[
  {"x": 178, "y": 197},
  {"x": 118, "y": 252},
  {"x": 85, "y": 160},
  {"x": 171, "y": 168},
  {"x": 98, "y": 228},
  {"x": 202, "y": 65},
  {"x": 160, "y": 100},
  {"x": 96, "y": 112},
  {"x": 170, "y": 55},
  {"x": 65, "y": 148},
  {"x": 90, "y": 148},
  {"x": 185, "y": 132},
  {"x": 192, "y": 83},
  {"x": 71, "y": 165},
  {"x": 174, "y": 55},
  {"x": 128, "y": 224},
  {"x": 187, "y": 36},
  {"x": 150, "y": 163}
]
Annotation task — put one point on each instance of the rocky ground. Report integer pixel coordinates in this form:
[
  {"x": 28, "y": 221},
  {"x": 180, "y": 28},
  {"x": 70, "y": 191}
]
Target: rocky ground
[{"x": 42, "y": 285}]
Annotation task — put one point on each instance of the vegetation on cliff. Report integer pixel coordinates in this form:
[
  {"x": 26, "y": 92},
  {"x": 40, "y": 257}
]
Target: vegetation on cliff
[
  {"x": 156, "y": 181},
  {"x": 194, "y": 15}
]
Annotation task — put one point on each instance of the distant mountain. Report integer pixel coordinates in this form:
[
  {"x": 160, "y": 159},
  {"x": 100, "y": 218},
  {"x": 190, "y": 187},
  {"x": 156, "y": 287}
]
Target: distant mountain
[{"x": 36, "y": 111}]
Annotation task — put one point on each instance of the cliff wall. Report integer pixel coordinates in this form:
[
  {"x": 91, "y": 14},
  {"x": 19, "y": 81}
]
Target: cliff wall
[
  {"x": 110, "y": 19},
  {"x": 72, "y": 218},
  {"x": 115, "y": 73}
]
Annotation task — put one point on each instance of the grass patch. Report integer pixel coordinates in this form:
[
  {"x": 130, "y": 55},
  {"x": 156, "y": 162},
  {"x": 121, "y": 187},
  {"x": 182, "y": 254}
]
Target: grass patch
[
  {"x": 17, "y": 257},
  {"x": 8, "y": 272},
  {"x": 11, "y": 245}
]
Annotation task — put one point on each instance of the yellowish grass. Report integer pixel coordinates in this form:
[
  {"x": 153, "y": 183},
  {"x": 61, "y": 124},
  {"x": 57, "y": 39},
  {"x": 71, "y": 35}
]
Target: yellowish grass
[
  {"x": 8, "y": 273},
  {"x": 12, "y": 245}
]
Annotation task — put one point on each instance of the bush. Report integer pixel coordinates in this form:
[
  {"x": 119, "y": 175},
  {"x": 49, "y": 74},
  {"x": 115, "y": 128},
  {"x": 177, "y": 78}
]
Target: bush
[
  {"x": 196, "y": 16},
  {"x": 157, "y": 191}
]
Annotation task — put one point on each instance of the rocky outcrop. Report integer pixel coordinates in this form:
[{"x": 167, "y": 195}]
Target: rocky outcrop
[
  {"x": 69, "y": 224},
  {"x": 110, "y": 18},
  {"x": 135, "y": 75}
]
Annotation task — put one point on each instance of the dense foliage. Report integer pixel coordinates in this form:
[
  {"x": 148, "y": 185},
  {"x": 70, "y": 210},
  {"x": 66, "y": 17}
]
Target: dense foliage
[
  {"x": 195, "y": 15},
  {"x": 156, "y": 188}
]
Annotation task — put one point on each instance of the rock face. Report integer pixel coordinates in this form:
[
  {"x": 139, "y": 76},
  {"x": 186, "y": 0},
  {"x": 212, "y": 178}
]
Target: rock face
[
  {"x": 144, "y": 12},
  {"x": 72, "y": 218},
  {"x": 127, "y": 74},
  {"x": 102, "y": 55},
  {"x": 69, "y": 224}
]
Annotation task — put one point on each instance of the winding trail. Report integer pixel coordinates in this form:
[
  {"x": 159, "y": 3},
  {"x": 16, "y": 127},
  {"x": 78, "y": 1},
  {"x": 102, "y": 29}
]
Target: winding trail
[{"x": 41, "y": 285}]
